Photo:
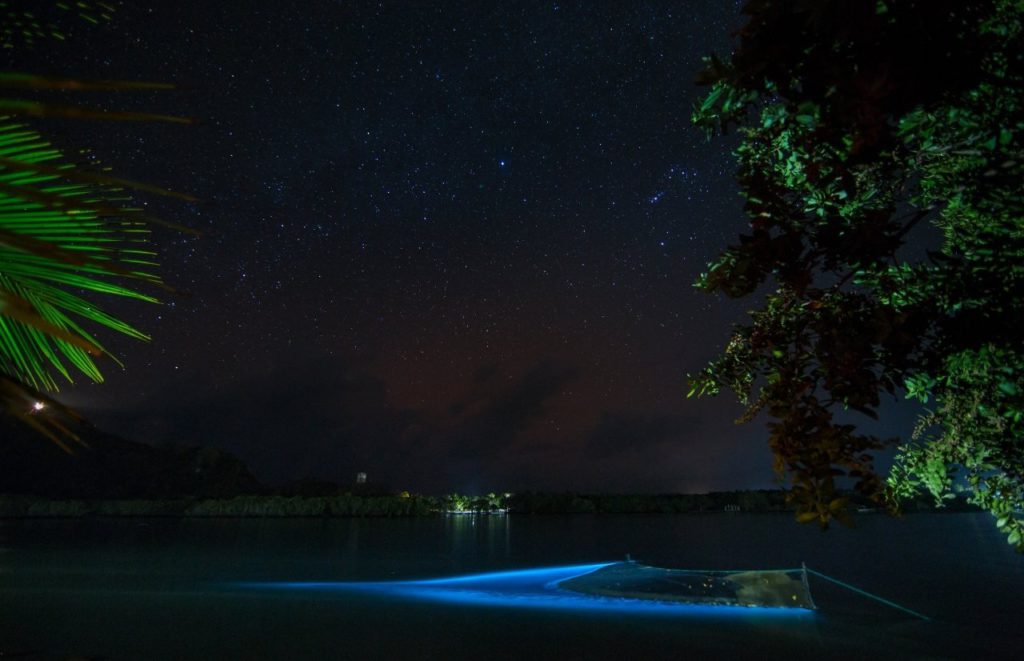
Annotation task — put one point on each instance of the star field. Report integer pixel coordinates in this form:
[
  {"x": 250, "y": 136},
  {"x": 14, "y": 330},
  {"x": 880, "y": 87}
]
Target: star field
[{"x": 448, "y": 244}]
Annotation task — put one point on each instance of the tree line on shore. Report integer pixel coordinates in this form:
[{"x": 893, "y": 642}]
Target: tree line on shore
[{"x": 404, "y": 504}]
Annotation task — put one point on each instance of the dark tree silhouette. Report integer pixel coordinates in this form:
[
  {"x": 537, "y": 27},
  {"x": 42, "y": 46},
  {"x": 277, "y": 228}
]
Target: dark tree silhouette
[{"x": 861, "y": 124}]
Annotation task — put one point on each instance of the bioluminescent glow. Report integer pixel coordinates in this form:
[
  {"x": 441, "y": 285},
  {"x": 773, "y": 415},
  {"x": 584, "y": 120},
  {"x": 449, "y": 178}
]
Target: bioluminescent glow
[
  {"x": 517, "y": 576},
  {"x": 528, "y": 588}
]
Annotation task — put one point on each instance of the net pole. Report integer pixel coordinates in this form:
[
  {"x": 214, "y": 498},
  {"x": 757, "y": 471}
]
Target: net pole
[{"x": 807, "y": 586}]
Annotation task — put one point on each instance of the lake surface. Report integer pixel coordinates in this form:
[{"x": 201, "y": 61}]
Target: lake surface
[{"x": 240, "y": 588}]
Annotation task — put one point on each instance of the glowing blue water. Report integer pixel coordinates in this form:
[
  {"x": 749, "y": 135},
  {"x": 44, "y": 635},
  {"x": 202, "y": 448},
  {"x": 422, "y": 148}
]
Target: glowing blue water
[
  {"x": 527, "y": 588},
  {"x": 254, "y": 589}
]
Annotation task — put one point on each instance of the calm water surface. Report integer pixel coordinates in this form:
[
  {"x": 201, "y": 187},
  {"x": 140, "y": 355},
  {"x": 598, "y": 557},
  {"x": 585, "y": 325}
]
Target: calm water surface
[{"x": 192, "y": 589}]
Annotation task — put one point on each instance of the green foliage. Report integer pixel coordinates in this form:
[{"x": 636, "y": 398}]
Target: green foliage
[
  {"x": 977, "y": 427},
  {"x": 574, "y": 503},
  {"x": 27, "y": 23},
  {"x": 402, "y": 505},
  {"x": 488, "y": 503},
  {"x": 54, "y": 243},
  {"x": 68, "y": 236},
  {"x": 239, "y": 506},
  {"x": 858, "y": 122}
]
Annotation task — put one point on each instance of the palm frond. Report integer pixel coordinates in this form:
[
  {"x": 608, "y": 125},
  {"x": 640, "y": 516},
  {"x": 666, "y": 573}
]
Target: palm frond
[
  {"x": 35, "y": 82},
  {"x": 24, "y": 107},
  {"x": 68, "y": 235},
  {"x": 62, "y": 237},
  {"x": 29, "y": 22},
  {"x": 72, "y": 174}
]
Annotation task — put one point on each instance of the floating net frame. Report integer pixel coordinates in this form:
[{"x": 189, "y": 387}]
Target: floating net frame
[{"x": 754, "y": 588}]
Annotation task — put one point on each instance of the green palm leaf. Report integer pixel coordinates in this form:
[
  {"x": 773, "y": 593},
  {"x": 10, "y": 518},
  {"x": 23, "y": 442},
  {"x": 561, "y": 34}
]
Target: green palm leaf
[
  {"x": 68, "y": 238},
  {"x": 62, "y": 238}
]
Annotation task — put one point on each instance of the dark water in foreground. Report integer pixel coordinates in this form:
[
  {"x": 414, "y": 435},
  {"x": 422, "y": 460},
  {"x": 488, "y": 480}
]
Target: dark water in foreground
[{"x": 192, "y": 589}]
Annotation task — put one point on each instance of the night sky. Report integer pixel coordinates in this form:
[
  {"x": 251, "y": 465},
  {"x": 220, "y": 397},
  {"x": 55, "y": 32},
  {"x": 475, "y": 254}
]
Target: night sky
[{"x": 451, "y": 245}]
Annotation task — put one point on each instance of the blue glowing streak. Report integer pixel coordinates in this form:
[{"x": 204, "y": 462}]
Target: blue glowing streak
[
  {"x": 530, "y": 588},
  {"x": 516, "y": 576}
]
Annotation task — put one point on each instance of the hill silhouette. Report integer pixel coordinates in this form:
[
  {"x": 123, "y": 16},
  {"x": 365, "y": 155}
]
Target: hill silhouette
[{"x": 112, "y": 467}]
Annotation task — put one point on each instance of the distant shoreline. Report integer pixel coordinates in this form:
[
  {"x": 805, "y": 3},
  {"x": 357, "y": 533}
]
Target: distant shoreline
[{"x": 406, "y": 506}]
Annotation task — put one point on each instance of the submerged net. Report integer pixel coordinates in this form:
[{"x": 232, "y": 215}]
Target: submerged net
[{"x": 778, "y": 588}]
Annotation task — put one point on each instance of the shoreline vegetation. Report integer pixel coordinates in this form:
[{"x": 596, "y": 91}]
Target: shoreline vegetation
[
  {"x": 115, "y": 477},
  {"x": 405, "y": 505}
]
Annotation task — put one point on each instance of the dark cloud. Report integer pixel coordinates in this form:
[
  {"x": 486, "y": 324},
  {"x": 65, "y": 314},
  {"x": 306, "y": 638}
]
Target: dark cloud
[
  {"x": 325, "y": 419},
  {"x": 329, "y": 418},
  {"x": 619, "y": 432},
  {"x": 485, "y": 373},
  {"x": 337, "y": 419},
  {"x": 484, "y": 442},
  {"x": 497, "y": 419}
]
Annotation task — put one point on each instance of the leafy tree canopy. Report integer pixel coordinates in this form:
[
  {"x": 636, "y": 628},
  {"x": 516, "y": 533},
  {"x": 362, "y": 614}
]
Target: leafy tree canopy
[{"x": 861, "y": 123}]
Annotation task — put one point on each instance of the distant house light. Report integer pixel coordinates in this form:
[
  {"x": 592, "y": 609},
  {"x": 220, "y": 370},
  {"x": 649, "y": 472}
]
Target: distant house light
[{"x": 360, "y": 478}]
